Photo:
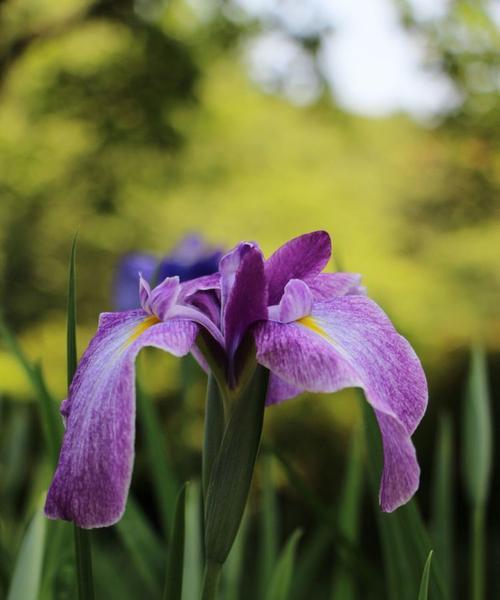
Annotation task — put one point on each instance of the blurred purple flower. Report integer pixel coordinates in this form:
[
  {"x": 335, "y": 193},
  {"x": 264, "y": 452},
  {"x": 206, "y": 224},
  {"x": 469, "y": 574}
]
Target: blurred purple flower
[
  {"x": 314, "y": 331},
  {"x": 191, "y": 258}
]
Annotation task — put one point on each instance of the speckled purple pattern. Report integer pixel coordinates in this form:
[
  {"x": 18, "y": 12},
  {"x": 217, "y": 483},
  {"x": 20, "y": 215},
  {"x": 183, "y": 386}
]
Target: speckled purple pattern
[{"x": 91, "y": 482}]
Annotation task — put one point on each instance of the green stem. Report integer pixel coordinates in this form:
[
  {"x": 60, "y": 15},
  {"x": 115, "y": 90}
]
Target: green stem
[
  {"x": 83, "y": 564},
  {"x": 211, "y": 580},
  {"x": 477, "y": 563}
]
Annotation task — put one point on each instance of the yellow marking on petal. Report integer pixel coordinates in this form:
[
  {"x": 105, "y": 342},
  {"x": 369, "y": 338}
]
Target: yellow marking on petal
[
  {"x": 311, "y": 324},
  {"x": 141, "y": 328}
]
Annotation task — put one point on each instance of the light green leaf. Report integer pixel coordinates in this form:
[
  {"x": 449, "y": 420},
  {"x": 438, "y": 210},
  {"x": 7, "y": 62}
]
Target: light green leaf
[
  {"x": 25, "y": 583},
  {"x": 193, "y": 550},
  {"x": 477, "y": 430},
  {"x": 279, "y": 587},
  {"x": 423, "y": 593}
]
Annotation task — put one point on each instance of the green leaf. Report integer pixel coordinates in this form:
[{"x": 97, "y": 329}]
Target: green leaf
[
  {"x": 477, "y": 463},
  {"x": 405, "y": 540},
  {"x": 269, "y": 534},
  {"x": 233, "y": 468},
  {"x": 175, "y": 563},
  {"x": 49, "y": 415},
  {"x": 423, "y": 593},
  {"x": 279, "y": 587},
  {"x": 349, "y": 519},
  {"x": 214, "y": 429},
  {"x": 164, "y": 481},
  {"x": 443, "y": 504},
  {"x": 82, "y": 537},
  {"x": 25, "y": 583},
  {"x": 233, "y": 570},
  {"x": 143, "y": 546},
  {"x": 477, "y": 431},
  {"x": 193, "y": 549}
]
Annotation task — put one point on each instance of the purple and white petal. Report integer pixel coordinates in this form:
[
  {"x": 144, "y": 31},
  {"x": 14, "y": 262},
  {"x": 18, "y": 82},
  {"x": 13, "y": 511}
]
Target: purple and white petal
[
  {"x": 243, "y": 292},
  {"x": 304, "y": 257},
  {"x": 93, "y": 475},
  {"x": 163, "y": 297},
  {"x": 346, "y": 342},
  {"x": 296, "y": 302},
  {"x": 326, "y": 286},
  {"x": 278, "y": 390}
]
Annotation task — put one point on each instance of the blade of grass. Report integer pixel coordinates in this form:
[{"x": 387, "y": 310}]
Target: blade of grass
[
  {"x": 477, "y": 462},
  {"x": 164, "y": 481},
  {"x": 49, "y": 415},
  {"x": 443, "y": 505},
  {"x": 423, "y": 593},
  {"x": 143, "y": 546},
  {"x": 82, "y": 537},
  {"x": 26, "y": 579},
  {"x": 175, "y": 563},
  {"x": 268, "y": 524},
  {"x": 233, "y": 571},
  {"x": 193, "y": 559},
  {"x": 405, "y": 540},
  {"x": 279, "y": 586},
  {"x": 349, "y": 518}
]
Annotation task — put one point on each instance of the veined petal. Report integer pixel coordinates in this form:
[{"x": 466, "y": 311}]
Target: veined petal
[
  {"x": 93, "y": 475},
  {"x": 243, "y": 292},
  {"x": 163, "y": 298},
  {"x": 304, "y": 257},
  {"x": 349, "y": 341},
  {"x": 278, "y": 390},
  {"x": 205, "y": 283},
  {"x": 326, "y": 286}
]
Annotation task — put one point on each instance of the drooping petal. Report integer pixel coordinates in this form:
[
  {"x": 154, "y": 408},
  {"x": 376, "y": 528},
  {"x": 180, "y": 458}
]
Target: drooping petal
[
  {"x": 243, "y": 292},
  {"x": 304, "y": 257},
  {"x": 93, "y": 475},
  {"x": 278, "y": 390},
  {"x": 125, "y": 292},
  {"x": 326, "y": 286},
  {"x": 295, "y": 303},
  {"x": 349, "y": 341}
]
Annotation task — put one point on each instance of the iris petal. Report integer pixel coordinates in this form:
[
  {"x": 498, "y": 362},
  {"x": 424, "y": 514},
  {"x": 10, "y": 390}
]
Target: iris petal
[{"x": 91, "y": 482}]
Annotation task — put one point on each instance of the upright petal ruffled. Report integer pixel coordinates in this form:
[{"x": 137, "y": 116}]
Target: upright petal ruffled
[
  {"x": 349, "y": 341},
  {"x": 93, "y": 475},
  {"x": 301, "y": 258}
]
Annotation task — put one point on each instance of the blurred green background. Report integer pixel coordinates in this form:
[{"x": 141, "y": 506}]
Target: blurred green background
[{"x": 135, "y": 123}]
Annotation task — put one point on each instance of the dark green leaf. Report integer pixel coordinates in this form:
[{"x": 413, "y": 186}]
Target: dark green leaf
[
  {"x": 143, "y": 546},
  {"x": 269, "y": 533},
  {"x": 163, "y": 478},
  {"x": 175, "y": 564},
  {"x": 443, "y": 504},
  {"x": 233, "y": 468},
  {"x": 214, "y": 428}
]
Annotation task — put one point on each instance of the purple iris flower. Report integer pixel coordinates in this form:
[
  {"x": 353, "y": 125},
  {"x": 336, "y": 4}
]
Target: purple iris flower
[
  {"x": 191, "y": 258},
  {"x": 314, "y": 331}
]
